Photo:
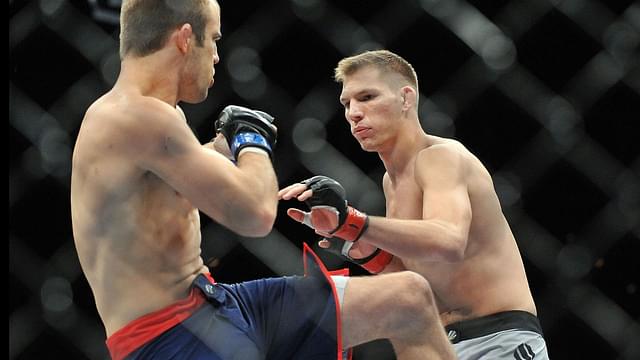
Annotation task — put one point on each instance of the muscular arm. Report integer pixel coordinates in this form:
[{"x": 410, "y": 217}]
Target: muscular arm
[
  {"x": 242, "y": 198},
  {"x": 441, "y": 234}
]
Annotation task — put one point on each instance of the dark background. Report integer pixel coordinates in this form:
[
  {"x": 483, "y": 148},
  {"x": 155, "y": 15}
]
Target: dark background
[{"x": 545, "y": 93}]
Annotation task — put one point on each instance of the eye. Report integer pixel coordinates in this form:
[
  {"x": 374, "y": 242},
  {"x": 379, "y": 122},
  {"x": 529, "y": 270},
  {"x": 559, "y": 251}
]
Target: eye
[{"x": 366, "y": 97}]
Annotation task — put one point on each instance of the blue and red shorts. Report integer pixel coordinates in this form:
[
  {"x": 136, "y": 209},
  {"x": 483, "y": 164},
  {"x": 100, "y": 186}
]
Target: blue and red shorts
[{"x": 294, "y": 317}]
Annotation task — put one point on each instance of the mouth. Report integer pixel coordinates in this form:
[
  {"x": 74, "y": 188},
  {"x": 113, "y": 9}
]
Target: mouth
[{"x": 361, "y": 131}]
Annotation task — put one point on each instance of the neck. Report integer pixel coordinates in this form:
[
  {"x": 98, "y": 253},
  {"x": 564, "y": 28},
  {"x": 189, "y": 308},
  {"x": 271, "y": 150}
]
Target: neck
[
  {"x": 409, "y": 140},
  {"x": 150, "y": 76}
]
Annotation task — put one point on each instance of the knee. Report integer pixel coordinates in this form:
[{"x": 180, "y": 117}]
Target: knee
[
  {"x": 416, "y": 291},
  {"x": 415, "y": 298}
]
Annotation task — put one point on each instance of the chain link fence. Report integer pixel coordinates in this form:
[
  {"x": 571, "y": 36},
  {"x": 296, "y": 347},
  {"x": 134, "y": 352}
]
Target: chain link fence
[{"x": 546, "y": 93}]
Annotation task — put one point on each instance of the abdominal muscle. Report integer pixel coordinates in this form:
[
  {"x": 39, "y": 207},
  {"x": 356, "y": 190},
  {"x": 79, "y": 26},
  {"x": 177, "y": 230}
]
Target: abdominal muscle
[{"x": 480, "y": 285}]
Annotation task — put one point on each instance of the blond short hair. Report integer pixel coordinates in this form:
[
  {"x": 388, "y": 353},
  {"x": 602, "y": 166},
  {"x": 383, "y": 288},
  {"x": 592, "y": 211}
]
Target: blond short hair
[
  {"x": 145, "y": 25},
  {"x": 384, "y": 60}
]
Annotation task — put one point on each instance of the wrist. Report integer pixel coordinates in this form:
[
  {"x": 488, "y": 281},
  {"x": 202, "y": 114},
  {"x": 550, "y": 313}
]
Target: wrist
[
  {"x": 253, "y": 149},
  {"x": 246, "y": 140},
  {"x": 354, "y": 226},
  {"x": 375, "y": 262}
]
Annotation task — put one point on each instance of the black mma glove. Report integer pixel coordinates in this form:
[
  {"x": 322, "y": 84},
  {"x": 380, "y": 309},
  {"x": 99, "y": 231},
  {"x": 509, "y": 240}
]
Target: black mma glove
[
  {"x": 329, "y": 193},
  {"x": 243, "y": 127}
]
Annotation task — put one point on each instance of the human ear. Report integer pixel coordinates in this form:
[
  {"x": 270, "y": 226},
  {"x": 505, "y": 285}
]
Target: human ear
[
  {"x": 408, "y": 97},
  {"x": 183, "y": 37}
]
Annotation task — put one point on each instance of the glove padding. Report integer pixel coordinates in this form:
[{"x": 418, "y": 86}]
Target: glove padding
[
  {"x": 328, "y": 193},
  {"x": 374, "y": 263},
  {"x": 243, "y": 127}
]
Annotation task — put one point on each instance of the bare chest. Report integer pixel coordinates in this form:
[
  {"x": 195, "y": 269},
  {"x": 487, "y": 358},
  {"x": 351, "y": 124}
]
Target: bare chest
[{"x": 404, "y": 201}]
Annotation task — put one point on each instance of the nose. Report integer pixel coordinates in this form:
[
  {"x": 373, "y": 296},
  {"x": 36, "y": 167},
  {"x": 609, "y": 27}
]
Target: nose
[{"x": 354, "y": 113}]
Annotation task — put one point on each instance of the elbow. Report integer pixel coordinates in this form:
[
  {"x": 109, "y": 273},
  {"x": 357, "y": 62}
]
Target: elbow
[
  {"x": 455, "y": 253},
  {"x": 267, "y": 216},
  {"x": 260, "y": 222},
  {"x": 264, "y": 222}
]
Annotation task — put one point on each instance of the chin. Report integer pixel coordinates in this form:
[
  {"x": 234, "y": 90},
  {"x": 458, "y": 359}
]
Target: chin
[
  {"x": 203, "y": 96},
  {"x": 196, "y": 99},
  {"x": 367, "y": 147}
]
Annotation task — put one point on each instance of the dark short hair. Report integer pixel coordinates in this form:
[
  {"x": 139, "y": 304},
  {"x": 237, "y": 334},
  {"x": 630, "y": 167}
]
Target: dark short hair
[{"x": 145, "y": 25}]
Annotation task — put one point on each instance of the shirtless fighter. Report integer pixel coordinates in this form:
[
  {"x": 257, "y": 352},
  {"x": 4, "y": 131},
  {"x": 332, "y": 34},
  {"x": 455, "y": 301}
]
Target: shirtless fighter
[{"x": 443, "y": 217}]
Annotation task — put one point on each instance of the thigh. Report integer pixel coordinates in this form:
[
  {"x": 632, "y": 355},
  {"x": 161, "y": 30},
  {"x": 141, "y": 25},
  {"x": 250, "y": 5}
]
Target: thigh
[
  {"x": 366, "y": 301},
  {"x": 293, "y": 317},
  {"x": 207, "y": 334}
]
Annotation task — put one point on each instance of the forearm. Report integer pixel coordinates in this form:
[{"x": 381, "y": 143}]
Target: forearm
[
  {"x": 416, "y": 239},
  {"x": 253, "y": 209},
  {"x": 260, "y": 177},
  {"x": 256, "y": 173}
]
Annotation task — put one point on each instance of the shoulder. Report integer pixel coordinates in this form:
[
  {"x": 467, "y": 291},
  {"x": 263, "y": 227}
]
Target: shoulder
[
  {"x": 132, "y": 124},
  {"x": 181, "y": 112},
  {"x": 128, "y": 111},
  {"x": 145, "y": 112},
  {"x": 141, "y": 116},
  {"x": 449, "y": 152},
  {"x": 448, "y": 158}
]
